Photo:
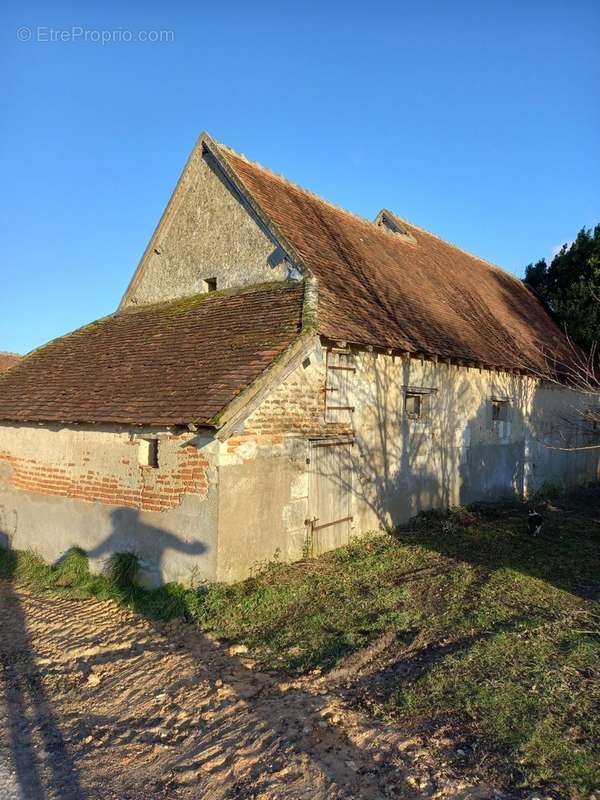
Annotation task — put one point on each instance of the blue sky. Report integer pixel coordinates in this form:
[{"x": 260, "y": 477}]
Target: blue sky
[{"x": 477, "y": 120}]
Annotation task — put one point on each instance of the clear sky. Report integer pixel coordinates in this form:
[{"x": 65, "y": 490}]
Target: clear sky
[{"x": 477, "y": 120}]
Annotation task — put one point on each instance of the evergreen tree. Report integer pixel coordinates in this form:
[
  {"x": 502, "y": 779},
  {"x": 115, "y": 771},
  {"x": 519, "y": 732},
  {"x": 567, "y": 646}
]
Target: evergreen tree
[{"x": 570, "y": 285}]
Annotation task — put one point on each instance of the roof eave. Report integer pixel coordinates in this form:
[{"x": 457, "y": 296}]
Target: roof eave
[{"x": 120, "y": 423}]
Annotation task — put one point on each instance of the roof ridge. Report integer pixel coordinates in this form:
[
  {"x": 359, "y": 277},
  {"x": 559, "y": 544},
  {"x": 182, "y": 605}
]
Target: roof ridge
[
  {"x": 9, "y": 353},
  {"x": 486, "y": 261},
  {"x": 234, "y": 291},
  {"x": 364, "y": 220},
  {"x": 365, "y": 297},
  {"x": 297, "y": 186},
  {"x": 231, "y": 291}
]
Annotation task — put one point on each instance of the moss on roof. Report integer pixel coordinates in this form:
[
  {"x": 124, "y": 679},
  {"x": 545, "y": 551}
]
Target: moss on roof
[{"x": 170, "y": 363}]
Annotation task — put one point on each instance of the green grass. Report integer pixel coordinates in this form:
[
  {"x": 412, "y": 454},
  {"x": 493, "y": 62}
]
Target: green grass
[
  {"x": 122, "y": 569},
  {"x": 71, "y": 578},
  {"x": 499, "y": 634}
]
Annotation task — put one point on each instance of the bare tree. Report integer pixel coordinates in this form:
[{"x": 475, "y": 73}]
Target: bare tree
[{"x": 558, "y": 361}]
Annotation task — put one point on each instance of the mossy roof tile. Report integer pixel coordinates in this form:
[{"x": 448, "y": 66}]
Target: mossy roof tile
[
  {"x": 165, "y": 364},
  {"x": 412, "y": 292}
]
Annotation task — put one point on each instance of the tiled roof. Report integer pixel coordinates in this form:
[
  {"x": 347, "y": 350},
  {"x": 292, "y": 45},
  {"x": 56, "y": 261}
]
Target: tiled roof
[
  {"x": 8, "y": 360},
  {"x": 174, "y": 363},
  {"x": 413, "y": 292}
]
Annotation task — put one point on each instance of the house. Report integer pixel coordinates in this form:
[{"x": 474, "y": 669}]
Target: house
[
  {"x": 281, "y": 375},
  {"x": 8, "y": 360}
]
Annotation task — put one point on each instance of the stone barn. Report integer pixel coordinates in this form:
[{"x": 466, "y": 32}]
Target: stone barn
[{"x": 281, "y": 375}]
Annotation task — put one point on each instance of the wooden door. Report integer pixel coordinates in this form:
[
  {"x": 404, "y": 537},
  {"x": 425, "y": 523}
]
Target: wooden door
[{"x": 330, "y": 495}]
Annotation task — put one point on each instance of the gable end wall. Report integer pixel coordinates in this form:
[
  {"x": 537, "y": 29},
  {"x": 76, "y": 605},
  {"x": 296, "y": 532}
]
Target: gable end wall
[{"x": 206, "y": 232}]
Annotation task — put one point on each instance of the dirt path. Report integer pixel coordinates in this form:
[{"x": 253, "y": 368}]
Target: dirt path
[{"x": 100, "y": 703}]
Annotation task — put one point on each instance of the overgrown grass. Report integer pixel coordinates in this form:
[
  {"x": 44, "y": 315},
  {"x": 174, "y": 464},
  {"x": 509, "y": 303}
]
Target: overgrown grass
[
  {"x": 499, "y": 633},
  {"x": 71, "y": 578},
  {"x": 122, "y": 569}
]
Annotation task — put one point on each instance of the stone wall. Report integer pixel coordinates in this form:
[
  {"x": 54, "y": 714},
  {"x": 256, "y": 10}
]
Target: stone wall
[
  {"x": 264, "y": 473},
  {"x": 206, "y": 232},
  {"x": 213, "y": 509},
  {"x": 67, "y": 486},
  {"x": 457, "y": 453}
]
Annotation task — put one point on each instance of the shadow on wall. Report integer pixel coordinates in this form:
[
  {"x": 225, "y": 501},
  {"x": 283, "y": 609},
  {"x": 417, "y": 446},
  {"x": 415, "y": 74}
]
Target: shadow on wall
[
  {"x": 458, "y": 454},
  {"x": 493, "y": 457},
  {"x": 475, "y": 440},
  {"x": 454, "y": 454},
  {"x": 148, "y": 542}
]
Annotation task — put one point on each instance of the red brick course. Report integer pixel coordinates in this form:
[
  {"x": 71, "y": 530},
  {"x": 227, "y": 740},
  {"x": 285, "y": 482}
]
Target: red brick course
[{"x": 140, "y": 487}]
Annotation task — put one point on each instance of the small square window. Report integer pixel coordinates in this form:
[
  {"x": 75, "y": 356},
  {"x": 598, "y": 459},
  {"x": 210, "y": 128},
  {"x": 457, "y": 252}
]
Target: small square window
[
  {"x": 148, "y": 453},
  {"x": 499, "y": 410},
  {"x": 210, "y": 285},
  {"x": 413, "y": 405}
]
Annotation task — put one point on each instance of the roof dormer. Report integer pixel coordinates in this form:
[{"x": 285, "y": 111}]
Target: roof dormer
[{"x": 386, "y": 219}]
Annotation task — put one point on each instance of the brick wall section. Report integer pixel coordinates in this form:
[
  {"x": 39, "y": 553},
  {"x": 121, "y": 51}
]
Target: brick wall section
[
  {"x": 183, "y": 472},
  {"x": 295, "y": 407}
]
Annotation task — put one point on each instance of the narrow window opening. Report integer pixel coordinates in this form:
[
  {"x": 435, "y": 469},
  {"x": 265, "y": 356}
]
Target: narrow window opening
[
  {"x": 591, "y": 417},
  {"x": 210, "y": 285},
  {"x": 499, "y": 410},
  {"x": 413, "y": 405},
  {"x": 148, "y": 453}
]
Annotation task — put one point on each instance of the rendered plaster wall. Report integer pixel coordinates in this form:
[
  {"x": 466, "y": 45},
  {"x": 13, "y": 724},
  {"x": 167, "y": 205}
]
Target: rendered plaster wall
[
  {"x": 206, "y": 233},
  {"x": 63, "y": 487},
  {"x": 264, "y": 474},
  {"x": 263, "y": 502},
  {"x": 215, "y": 509},
  {"x": 558, "y": 448},
  {"x": 457, "y": 454}
]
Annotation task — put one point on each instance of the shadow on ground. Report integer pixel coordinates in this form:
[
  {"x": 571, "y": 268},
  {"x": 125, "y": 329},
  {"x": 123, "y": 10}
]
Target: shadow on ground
[
  {"x": 100, "y": 702},
  {"x": 40, "y": 757}
]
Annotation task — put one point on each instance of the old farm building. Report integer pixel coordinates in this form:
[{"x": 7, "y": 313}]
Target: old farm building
[{"x": 280, "y": 375}]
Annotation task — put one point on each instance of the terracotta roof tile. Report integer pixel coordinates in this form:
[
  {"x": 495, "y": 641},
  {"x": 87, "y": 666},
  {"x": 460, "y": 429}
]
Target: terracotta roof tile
[
  {"x": 415, "y": 292},
  {"x": 8, "y": 360},
  {"x": 168, "y": 364}
]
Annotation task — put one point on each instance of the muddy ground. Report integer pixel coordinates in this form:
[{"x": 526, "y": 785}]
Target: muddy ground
[{"x": 100, "y": 703}]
